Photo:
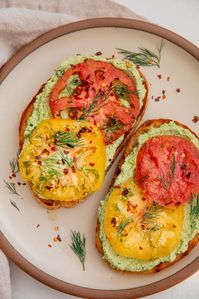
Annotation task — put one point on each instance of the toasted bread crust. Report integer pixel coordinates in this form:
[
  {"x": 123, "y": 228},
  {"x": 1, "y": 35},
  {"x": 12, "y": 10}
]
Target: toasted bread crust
[
  {"x": 132, "y": 143},
  {"x": 53, "y": 204}
]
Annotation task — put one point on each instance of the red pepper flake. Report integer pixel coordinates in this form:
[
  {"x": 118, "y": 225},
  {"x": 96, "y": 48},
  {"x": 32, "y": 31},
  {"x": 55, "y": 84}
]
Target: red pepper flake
[
  {"x": 14, "y": 175},
  {"x": 39, "y": 162},
  {"x": 45, "y": 151},
  {"x": 53, "y": 148},
  {"x": 19, "y": 183},
  {"x": 91, "y": 141},
  {"x": 24, "y": 184},
  {"x": 152, "y": 97},
  {"x": 168, "y": 78},
  {"x": 59, "y": 238},
  {"x": 137, "y": 67},
  {"x": 98, "y": 53},
  {"x": 10, "y": 177},
  {"x": 159, "y": 76},
  {"x": 140, "y": 248},
  {"x": 65, "y": 171},
  {"x": 195, "y": 119},
  {"x": 178, "y": 90},
  {"x": 113, "y": 221},
  {"x": 38, "y": 225},
  {"x": 92, "y": 164},
  {"x": 73, "y": 169},
  {"x": 163, "y": 91},
  {"x": 128, "y": 206},
  {"x": 66, "y": 152},
  {"x": 157, "y": 99},
  {"x": 143, "y": 198},
  {"x": 125, "y": 192},
  {"x": 49, "y": 245},
  {"x": 164, "y": 97},
  {"x": 37, "y": 157},
  {"x": 142, "y": 226}
]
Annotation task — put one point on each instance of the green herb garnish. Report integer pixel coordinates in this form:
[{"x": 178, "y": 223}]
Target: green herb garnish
[
  {"x": 14, "y": 164},
  {"x": 65, "y": 158},
  {"x": 67, "y": 139},
  {"x": 151, "y": 214},
  {"x": 123, "y": 224},
  {"x": 122, "y": 91},
  {"x": 164, "y": 182},
  {"x": 194, "y": 212},
  {"x": 145, "y": 57},
  {"x": 86, "y": 111},
  {"x": 78, "y": 246},
  {"x": 112, "y": 126},
  {"x": 14, "y": 204},
  {"x": 11, "y": 187}
]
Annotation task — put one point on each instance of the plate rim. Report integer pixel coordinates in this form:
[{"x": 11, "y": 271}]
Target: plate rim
[{"x": 6, "y": 246}]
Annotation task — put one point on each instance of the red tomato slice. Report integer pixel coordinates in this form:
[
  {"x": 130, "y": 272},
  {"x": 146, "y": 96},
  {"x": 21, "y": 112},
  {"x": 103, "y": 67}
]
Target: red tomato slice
[
  {"x": 167, "y": 169},
  {"x": 98, "y": 98}
]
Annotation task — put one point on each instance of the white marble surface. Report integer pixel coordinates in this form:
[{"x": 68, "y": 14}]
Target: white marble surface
[{"x": 181, "y": 16}]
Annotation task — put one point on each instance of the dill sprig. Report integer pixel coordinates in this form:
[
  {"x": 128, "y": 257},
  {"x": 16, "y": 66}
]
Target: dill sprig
[
  {"x": 123, "y": 224},
  {"x": 86, "y": 111},
  {"x": 145, "y": 57},
  {"x": 122, "y": 91},
  {"x": 78, "y": 246},
  {"x": 113, "y": 126},
  {"x": 11, "y": 187},
  {"x": 151, "y": 214},
  {"x": 64, "y": 158},
  {"x": 14, "y": 164},
  {"x": 194, "y": 212},
  {"x": 66, "y": 139},
  {"x": 14, "y": 204},
  {"x": 164, "y": 182}
]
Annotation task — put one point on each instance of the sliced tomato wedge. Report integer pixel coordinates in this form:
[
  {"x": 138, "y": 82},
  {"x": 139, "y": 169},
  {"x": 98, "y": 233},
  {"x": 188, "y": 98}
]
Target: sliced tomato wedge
[
  {"x": 167, "y": 169},
  {"x": 104, "y": 95}
]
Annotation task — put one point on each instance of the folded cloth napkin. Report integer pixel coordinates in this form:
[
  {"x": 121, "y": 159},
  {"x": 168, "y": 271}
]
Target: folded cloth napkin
[
  {"x": 23, "y": 20},
  {"x": 5, "y": 289}
]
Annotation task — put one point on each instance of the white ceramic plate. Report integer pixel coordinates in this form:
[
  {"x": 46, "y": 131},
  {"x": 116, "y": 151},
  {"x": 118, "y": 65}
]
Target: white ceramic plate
[{"x": 28, "y": 231}]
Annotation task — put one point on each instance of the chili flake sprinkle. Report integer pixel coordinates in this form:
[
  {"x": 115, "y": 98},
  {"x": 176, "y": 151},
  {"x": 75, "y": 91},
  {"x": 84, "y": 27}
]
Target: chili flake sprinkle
[
  {"x": 178, "y": 90},
  {"x": 195, "y": 119},
  {"x": 159, "y": 76}
]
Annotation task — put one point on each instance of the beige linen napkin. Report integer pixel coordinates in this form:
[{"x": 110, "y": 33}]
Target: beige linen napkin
[{"x": 23, "y": 20}]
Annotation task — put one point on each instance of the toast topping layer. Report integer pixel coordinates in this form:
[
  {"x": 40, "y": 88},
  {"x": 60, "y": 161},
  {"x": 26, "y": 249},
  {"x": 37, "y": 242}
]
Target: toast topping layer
[
  {"x": 139, "y": 229},
  {"x": 190, "y": 226},
  {"x": 42, "y": 110},
  {"x": 65, "y": 160}
]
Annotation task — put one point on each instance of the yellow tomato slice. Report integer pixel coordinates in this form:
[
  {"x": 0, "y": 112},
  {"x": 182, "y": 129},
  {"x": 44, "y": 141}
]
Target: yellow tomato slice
[
  {"x": 139, "y": 229},
  {"x": 65, "y": 159}
]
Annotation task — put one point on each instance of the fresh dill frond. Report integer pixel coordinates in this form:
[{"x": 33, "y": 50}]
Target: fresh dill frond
[
  {"x": 14, "y": 164},
  {"x": 67, "y": 139},
  {"x": 13, "y": 203},
  {"x": 145, "y": 57},
  {"x": 11, "y": 187},
  {"x": 151, "y": 214},
  {"x": 78, "y": 246},
  {"x": 123, "y": 224},
  {"x": 122, "y": 91},
  {"x": 65, "y": 158}
]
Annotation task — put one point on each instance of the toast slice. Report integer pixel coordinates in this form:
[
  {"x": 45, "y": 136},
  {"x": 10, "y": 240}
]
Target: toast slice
[
  {"x": 155, "y": 123},
  {"x": 53, "y": 204}
]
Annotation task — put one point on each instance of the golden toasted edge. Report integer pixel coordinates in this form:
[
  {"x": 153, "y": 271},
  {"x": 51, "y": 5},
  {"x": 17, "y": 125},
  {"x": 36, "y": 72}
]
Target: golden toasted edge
[
  {"x": 132, "y": 143},
  {"x": 53, "y": 204}
]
